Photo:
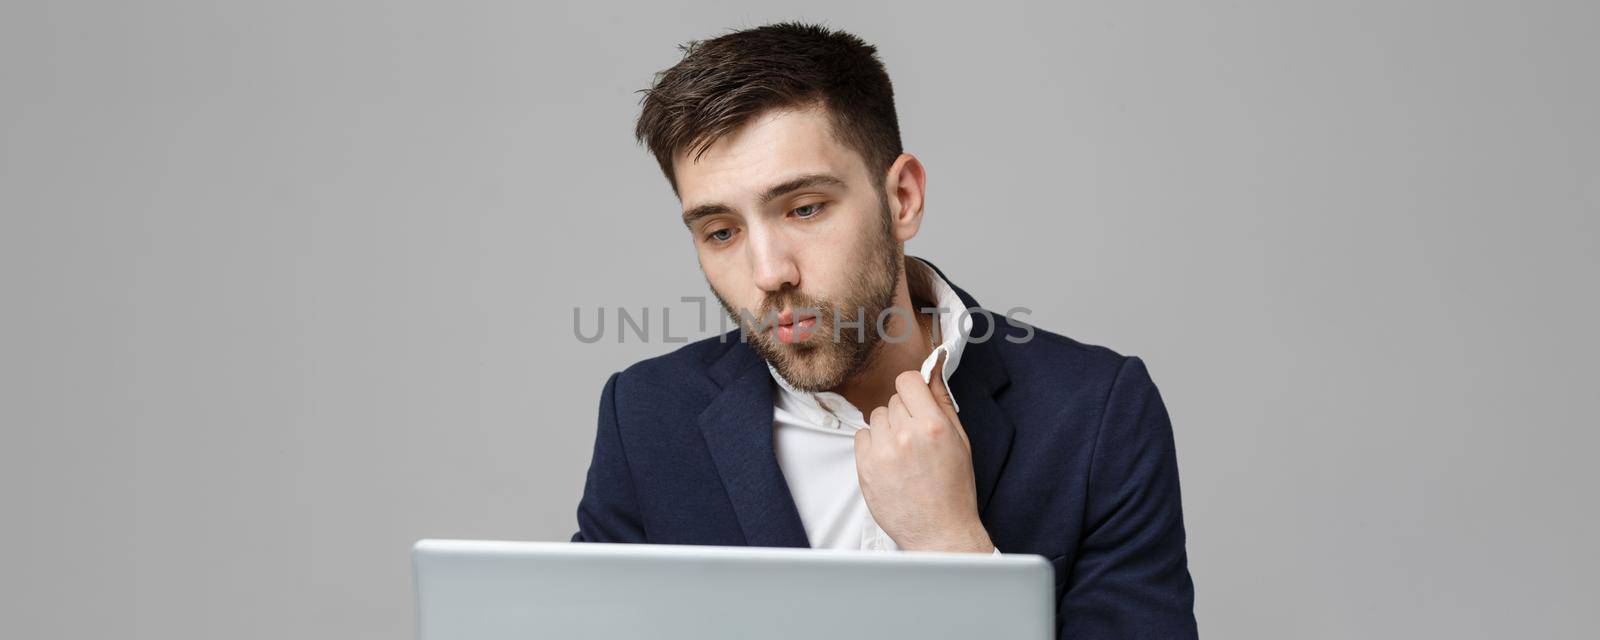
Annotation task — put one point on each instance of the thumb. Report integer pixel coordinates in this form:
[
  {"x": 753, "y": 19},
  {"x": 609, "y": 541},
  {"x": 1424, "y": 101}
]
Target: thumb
[{"x": 941, "y": 394}]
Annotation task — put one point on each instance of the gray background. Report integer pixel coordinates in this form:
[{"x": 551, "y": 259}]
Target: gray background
[{"x": 289, "y": 285}]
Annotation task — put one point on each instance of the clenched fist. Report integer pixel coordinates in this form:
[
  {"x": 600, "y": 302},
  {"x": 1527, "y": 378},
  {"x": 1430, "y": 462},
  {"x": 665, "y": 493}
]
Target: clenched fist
[{"x": 915, "y": 467}]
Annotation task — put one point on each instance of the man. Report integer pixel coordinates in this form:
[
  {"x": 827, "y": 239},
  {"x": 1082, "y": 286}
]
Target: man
[{"x": 860, "y": 405}]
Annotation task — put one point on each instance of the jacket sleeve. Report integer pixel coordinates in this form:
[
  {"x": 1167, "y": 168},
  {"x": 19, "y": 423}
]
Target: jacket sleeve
[
  {"x": 1131, "y": 577},
  {"x": 609, "y": 509}
]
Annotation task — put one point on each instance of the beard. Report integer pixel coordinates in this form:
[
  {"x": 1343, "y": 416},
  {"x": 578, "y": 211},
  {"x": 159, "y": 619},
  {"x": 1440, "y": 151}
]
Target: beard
[{"x": 831, "y": 357}]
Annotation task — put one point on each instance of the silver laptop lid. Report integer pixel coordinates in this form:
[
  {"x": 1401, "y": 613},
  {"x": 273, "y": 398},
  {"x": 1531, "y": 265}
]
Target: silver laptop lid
[{"x": 482, "y": 590}]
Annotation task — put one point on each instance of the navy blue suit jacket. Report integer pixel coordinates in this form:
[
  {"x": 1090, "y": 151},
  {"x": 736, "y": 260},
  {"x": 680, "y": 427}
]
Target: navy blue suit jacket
[{"x": 1072, "y": 452}]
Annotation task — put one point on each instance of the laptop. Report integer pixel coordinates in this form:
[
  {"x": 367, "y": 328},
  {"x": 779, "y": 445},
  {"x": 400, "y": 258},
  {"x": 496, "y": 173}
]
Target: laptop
[{"x": 483, "y": 590}]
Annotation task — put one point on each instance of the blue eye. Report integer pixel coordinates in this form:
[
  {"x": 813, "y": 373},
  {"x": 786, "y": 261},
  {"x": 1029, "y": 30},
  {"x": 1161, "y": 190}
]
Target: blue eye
[
  {"x": 720, "y": 235},
  {"x": 809, "y": 210}
]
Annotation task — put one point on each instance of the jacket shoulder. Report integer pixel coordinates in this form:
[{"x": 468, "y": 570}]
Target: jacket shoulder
[
  {"x": 681, "y": 374},
  {"x": 1047, "y": 364}
]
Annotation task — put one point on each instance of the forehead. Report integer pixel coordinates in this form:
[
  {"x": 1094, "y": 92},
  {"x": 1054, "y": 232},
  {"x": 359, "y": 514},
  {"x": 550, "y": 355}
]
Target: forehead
[{"x": 772, "y": 147}]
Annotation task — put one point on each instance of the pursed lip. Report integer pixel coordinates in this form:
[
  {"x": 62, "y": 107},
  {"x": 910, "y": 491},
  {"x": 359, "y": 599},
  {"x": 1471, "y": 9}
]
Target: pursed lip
[
  {"x": 794, "y": 326},
  {"x": 791, "y": 316}
]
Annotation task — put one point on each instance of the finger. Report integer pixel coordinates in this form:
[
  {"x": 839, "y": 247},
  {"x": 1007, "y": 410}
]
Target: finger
[
  {"x": 879, "y": 419},
  {"x": 916, "y": 394},
  {"x": 863, "y": 449},
  {"x": 941, "y": 394},
  {"x": 897, "y": 411}
]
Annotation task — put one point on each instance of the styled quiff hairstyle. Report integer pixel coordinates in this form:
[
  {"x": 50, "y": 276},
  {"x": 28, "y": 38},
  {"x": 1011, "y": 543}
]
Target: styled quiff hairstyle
[{"x": 723, "y": 83}]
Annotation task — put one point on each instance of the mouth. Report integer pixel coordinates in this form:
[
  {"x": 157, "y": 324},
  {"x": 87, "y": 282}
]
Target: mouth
[{"x": 794, "y": 326}]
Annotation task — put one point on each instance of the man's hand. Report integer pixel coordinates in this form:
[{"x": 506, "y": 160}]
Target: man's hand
[{"x": 915, "y": 468}]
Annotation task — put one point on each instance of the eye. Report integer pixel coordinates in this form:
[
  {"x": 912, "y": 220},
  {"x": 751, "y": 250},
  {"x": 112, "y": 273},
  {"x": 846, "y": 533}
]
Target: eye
[
  {"x": 720, "y": 235},
  {"x": 807, "y": 211}
]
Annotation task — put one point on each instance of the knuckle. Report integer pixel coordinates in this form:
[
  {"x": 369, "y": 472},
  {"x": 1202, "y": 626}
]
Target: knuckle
[{"x": 907, "y": 377}]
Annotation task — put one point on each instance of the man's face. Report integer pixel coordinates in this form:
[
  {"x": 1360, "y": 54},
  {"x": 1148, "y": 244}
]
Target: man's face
[{"x": 793, "y": 236}]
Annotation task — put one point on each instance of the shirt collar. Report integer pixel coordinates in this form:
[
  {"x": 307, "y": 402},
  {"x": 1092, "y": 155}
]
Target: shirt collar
[{"x": 955, "y": 327}]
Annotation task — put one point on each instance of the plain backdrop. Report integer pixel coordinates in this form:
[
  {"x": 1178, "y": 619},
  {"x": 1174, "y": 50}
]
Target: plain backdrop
[{"x": 289, "y": 285}]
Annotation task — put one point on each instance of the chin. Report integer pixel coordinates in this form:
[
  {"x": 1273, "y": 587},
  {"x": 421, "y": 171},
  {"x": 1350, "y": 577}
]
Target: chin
[{"x": 808, "y": 370}]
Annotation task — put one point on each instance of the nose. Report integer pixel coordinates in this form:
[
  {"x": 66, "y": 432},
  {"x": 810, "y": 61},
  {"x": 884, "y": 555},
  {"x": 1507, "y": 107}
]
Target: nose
[{"x": 773, "y": 258}]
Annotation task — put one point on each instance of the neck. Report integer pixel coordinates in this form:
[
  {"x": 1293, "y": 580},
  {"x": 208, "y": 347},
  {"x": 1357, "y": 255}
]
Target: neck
[{"x": 874, "y": 385}]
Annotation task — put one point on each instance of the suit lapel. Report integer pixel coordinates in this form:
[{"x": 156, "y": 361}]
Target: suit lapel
[
  {"x": 738, "y": 430},
  {"x": 988, "y": 429},
  {"x": 978, "y": 379}
]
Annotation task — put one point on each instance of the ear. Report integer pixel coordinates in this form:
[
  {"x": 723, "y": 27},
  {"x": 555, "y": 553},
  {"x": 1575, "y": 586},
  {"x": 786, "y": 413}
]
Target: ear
[{"x": 903, "y": 185}]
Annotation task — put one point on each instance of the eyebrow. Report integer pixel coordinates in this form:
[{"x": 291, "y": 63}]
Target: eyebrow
[{"x": 772, "y": 193}]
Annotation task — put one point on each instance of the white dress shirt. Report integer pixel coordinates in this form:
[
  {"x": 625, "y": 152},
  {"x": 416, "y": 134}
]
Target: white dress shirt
[{"x": 814, "y": 439}]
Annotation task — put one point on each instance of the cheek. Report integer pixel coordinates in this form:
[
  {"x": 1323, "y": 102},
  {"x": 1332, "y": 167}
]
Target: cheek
[
  {"x": 726, "y": 274},
  {"x": 719, "y": 264},
  {"x": 832, "y": 260}
]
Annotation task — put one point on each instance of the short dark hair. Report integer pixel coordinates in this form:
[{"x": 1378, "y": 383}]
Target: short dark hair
[{"x": 725, "y": 82}]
